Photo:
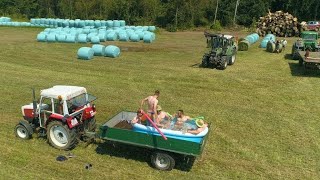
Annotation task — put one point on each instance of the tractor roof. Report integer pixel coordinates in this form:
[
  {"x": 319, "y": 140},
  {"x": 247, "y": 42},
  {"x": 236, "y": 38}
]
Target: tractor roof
[
  {"x": 65, "y": 92},
  {"x": 207, "y": 34}
]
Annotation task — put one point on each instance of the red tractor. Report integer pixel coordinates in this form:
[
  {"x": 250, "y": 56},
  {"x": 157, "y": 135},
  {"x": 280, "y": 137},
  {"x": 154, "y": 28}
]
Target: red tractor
[{"x": 63, "y": 114}]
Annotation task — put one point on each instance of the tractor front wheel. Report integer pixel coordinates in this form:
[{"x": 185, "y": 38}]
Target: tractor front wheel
[
  {"x": 60, "y": 136},
  {"x": 22, "y": 132},
  {"x": 162, "y": 161},
  {"x": 205, "y": 61},
  {"x": 232, "y": 60},
  {"x": 223, "y": 63}
]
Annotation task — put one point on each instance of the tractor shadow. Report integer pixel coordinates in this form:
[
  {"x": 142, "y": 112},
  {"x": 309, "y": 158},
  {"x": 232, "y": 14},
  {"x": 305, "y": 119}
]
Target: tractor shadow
[
  {"x": 136, "y": 153},
  {"x": 300, "y": 71},
  {"x": 197, "y": 65},
  {"x": 288, "y": 57}
]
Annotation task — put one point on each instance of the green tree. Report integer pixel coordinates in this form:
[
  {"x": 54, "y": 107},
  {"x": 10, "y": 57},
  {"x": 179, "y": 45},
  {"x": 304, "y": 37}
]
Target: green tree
[
  {"x": 67, "y": 8},
  {"x": 251, "y": 9}
]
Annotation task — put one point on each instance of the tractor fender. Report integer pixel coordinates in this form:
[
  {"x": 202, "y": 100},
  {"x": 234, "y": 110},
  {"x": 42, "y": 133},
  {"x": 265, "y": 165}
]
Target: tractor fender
[
  {"x": 69, "y": 120},
  {"x": 26, "y": 125}
]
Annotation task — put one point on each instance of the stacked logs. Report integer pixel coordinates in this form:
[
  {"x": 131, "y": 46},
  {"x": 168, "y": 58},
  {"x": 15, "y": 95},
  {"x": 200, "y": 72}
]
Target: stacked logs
[{"x": 280, "y": 24}]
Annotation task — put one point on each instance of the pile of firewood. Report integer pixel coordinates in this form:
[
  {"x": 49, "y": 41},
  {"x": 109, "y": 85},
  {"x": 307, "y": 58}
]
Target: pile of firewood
[{"x": 280, "y": 24}]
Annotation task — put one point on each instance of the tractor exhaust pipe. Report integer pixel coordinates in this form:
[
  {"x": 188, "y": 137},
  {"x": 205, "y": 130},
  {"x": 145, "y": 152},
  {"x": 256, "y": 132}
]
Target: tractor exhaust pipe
[{"x": 34, "y": 102}]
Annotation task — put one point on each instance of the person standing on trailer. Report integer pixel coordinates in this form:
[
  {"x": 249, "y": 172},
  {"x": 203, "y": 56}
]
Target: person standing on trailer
[{"x": 152, "y": 102}]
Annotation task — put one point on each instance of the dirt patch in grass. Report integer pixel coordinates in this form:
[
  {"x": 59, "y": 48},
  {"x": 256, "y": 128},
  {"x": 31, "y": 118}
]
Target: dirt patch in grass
[{"x": 123, "y": 125}]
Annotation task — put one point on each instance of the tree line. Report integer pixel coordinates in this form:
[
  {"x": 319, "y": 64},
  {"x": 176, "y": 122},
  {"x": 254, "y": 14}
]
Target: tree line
[{"x": 170, "y": 14}]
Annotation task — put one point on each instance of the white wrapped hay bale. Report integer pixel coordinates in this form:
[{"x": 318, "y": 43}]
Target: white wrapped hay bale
[
  {"x": 134, "y": 37},
  {"x": 85, "y": 53},
  {"x": 147, "y": 38},
  {"x": 123, "y": 36},
  {"x": 82, "y": 38},
  {"x": 41, "y": 37},
  {"x": 112, "y": 51},
  {"x": 99, "y": 50},
  {"x": 112, "y": 36},
  {"x": 51, "y": 37},
  {"x": 61, "y": 37},
  {"x": 95, "y": 39},
  {"x": 70, "y": 38}
]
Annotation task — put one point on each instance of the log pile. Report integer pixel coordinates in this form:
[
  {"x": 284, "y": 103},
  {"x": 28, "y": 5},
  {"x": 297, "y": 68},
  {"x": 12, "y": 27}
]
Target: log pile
[{"x": 280, "y": 24}]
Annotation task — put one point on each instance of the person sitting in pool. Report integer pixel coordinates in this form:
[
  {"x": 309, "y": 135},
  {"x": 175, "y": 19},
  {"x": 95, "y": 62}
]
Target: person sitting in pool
[
  {"x": 180, "y": 119},
  {"x": 140, "y": 118},
  {"x": 163, "y": 118},
  {"x": 201, "y": 127}
]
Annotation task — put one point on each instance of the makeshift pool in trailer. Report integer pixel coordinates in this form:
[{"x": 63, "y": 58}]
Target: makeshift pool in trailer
[
  {"x": 171, "y": 133},
  {"x": 120, "y": 129}
]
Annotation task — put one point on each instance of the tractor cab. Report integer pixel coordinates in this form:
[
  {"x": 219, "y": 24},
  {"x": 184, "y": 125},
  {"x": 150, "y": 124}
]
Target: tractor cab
[
  {"x": 219, "y": 40},
  {"x": 310, "y": 40},
  {"x": 65, "y": 101}
]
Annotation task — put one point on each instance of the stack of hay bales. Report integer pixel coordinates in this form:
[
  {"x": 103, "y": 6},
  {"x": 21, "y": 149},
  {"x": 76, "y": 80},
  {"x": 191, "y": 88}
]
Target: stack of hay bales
[
  {"x": 245, "y": 43},
  {"x": 96, "y": 35},
  {"x": 87, "y": 53}
]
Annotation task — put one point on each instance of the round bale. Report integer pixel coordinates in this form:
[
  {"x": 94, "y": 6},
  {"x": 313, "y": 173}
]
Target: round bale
[
  {"x": 85, "y": 53},
  {"x": 99, "y": 50},
  {"x": 112, "y": 51}
]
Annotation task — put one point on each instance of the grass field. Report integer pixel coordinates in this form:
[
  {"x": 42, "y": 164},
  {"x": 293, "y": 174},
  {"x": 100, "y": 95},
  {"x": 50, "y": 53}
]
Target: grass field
[{"x": 264, "y": 109}]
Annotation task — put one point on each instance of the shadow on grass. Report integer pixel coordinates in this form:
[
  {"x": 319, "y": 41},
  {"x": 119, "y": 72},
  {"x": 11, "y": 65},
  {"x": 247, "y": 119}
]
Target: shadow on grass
[
  {"x": 297, "y": 70},
  {"x": 197, "y": 65},
  {"x": 140, "y": 154},
  {"x": 288, "y": 57}
]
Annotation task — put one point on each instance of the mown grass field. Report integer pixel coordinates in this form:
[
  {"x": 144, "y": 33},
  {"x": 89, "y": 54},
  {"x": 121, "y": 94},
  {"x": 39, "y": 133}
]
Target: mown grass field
[{"x": 264, "y": 109}]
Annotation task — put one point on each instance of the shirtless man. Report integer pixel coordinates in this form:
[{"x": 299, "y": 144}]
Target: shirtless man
[
  {"x": 152, "y": 102},
  {"x": 181, "y": 118},
  {"x": 163, "y": 120}
]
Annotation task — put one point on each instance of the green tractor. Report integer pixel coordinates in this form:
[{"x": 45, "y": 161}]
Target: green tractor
[
  {"x": 222, "y": 51},
  {"x": 308, "y": 40}
]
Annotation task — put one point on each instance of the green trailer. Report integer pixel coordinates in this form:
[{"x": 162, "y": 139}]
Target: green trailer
[{"x": 164, "y": 152}]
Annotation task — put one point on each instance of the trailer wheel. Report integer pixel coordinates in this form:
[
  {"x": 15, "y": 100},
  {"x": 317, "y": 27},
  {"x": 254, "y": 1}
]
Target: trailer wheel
[
  {"x": 60, "y": 136},
  {"x": 162, "y": 161},
  {"x": 22, "y": 132}
]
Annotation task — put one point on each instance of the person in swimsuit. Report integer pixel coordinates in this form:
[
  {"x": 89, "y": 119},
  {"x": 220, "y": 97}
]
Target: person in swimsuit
[
  {"x": 163, "y": 120},
  {"x": 139, "y": 118},
  {"x": 181, "y": 118},
  {"x": 152, "y": 102},
  {"x": 201, "y": 127}
]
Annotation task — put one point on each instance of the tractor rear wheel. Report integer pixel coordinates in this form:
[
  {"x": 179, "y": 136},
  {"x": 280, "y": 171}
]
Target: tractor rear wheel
[
  {"x": 22, "y": 132},
  {"x": 222, "y": 63},
  {"x": 232, "y": 60},
  {"x": 60, "y": 136},
  {"x": 162, "y": 161}
]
